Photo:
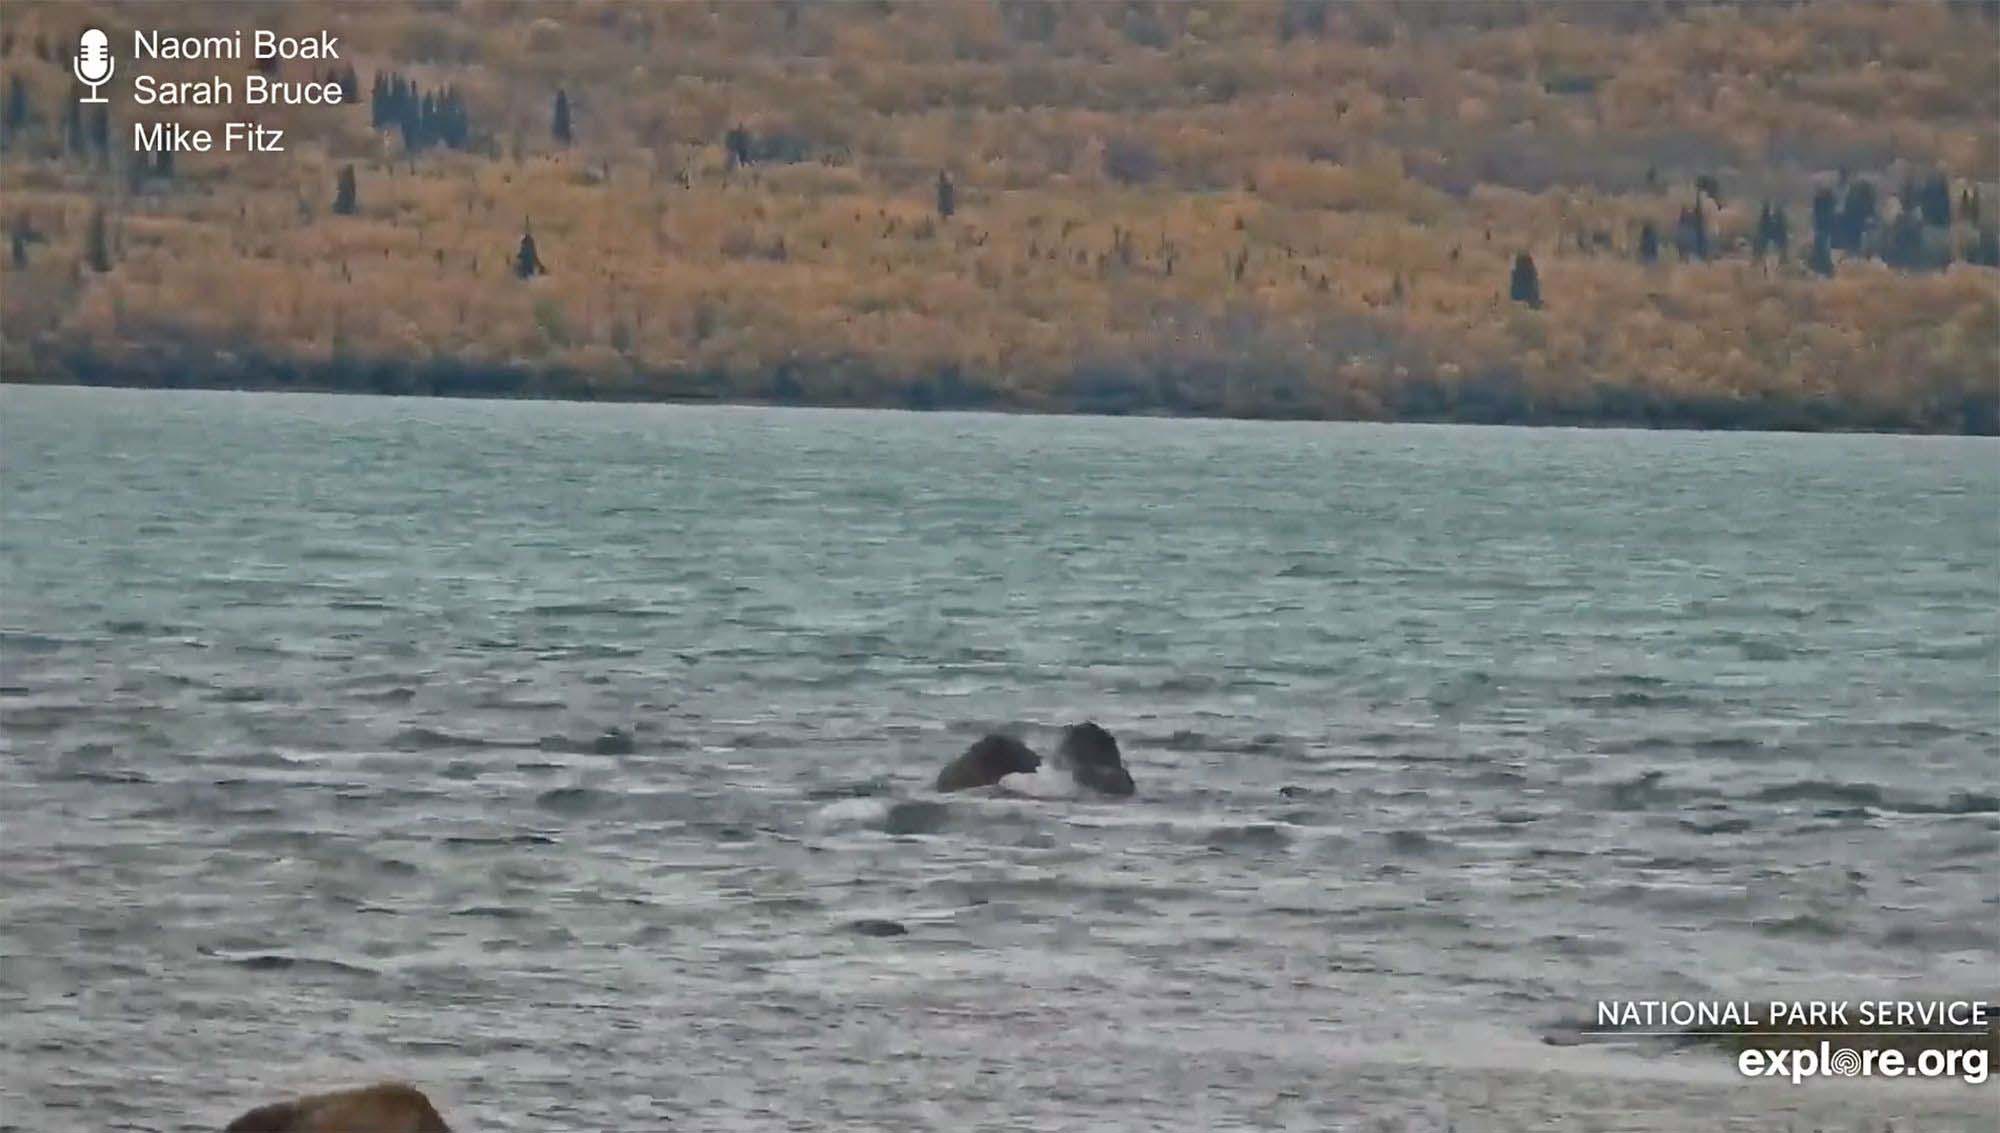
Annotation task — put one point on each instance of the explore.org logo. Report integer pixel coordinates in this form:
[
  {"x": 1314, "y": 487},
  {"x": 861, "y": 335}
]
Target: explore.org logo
[
  {"x": 1801, "y": 1039},
  {"x": 1826, "y": 1061}
]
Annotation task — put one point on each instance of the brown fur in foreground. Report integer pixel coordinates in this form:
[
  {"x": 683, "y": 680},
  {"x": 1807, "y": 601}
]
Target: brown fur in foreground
[{"x": 387, "y": 1107}]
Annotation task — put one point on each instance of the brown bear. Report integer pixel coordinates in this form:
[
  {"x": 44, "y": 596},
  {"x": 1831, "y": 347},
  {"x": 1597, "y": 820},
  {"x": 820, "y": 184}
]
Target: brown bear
[
  {"x": 1093, "y": 760},
  {"x": 386, "y": 1107},
  {"x": 987, "y": 762}
]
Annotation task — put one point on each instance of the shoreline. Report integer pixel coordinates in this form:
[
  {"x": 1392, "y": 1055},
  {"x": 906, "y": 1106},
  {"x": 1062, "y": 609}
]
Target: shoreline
[{"x": 448, "y": 379}]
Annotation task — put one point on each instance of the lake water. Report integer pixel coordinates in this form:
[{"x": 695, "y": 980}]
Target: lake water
[{"x": 304, "y": 776}]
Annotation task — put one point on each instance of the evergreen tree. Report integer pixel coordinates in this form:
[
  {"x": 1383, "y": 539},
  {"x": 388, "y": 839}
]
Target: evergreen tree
[
  {"x": 1857, "y": 216},
  {"x": 399, "y": 108},
  {"x": 527, "y": 263},
  {"x": 16, "y": 113},
  {"x": 1773, "y": 234},
  {"x": 1985, "y": 249},
  {"x": 163, "y": 164},
  {"x": 1691, "y": 234},
  {"x": 425, "y": 118},
  {"x": 100, "y": 129},
  {"x": 97, "y": 243},
  {"x": 412, "y": 127},
  {"x": 453, "y": 128},
  {"x": 73, "y": 127},
  {"x": 1825, "y": 214},
  {"x": 1525, "y": 286},
  {"x": 1821, "y": 259},
  {"x": 561, "y": 126},
  {"x": 736, "y": 146},
  {"x": 1903, "y": 242},
  {"x": 1934, "y": 200},
  {"x": 1649, "y": 243},
  {"x": 947, "y": 196},
  {"x": 344, "y": 202}
]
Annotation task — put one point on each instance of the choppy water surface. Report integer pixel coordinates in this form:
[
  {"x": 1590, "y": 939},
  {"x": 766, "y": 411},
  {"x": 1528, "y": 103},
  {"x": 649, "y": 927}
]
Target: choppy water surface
[{"x": 1440, "y": 734}]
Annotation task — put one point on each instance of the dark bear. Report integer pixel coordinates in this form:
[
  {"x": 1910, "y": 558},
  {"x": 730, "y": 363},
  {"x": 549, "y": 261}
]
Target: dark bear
[
  {"x": 388, "y": 1107},
  {"x": 1093, "y": 760},
  {"x": 987, "y": 762}
]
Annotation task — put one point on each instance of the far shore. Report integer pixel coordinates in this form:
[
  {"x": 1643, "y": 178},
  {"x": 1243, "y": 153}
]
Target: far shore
[{"x": 1420, "y": 402}]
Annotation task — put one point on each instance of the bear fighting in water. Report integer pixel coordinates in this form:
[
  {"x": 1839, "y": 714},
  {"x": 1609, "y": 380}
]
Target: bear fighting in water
[
  {"x": 987, "y": 762},
  {"x": 1093, "y": 759},
  {"x": 1088, "y": 751}
]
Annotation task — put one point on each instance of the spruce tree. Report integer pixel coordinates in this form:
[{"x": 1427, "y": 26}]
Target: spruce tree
[
  {"x": 1984, "y": 249},
  {"x": 1821, "y": 259},
  {"x": 1691, "y": 235},
  {"x": 1934, "y": 200},
  {"x": 1526, "y": 285},
  {"x": 344, "y": 202},
  {"x": 1649, "y": 243},
  {"x": 561, "y": 126},
  {"x": 1903, "y": 242},
  {"x": 1773, "y": 233},
  {"x": 1857, "y": 216},
  {"x": 527, "y": 263},
  {"x": 947, "y": 196},
  {"x": 17, "y": 105},
  {"x": 97, "y": 243},
  {"x": 454, "y": 128},
  {"x": 427, "y": 120},
  {"x": 1825, "y": 214}
]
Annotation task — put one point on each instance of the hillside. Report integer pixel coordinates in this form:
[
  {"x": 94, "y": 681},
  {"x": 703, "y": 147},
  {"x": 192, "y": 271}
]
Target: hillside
[{"x": 1759, "y": 215}]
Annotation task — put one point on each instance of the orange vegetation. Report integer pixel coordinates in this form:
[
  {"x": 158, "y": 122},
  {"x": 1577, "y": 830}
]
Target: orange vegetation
[{"x": 1288, "y": 208}]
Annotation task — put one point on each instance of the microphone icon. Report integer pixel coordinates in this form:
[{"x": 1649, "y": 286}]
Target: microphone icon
[{"x": 93, "y": 63}]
